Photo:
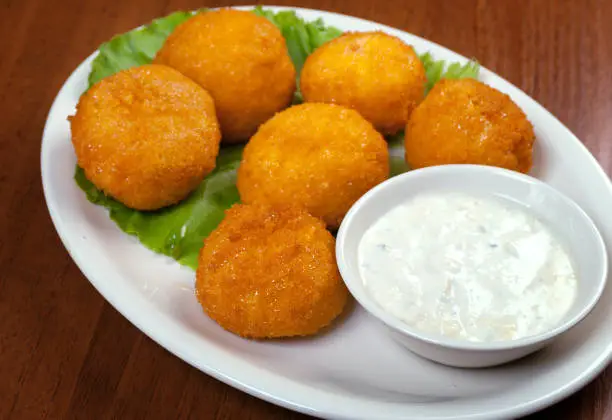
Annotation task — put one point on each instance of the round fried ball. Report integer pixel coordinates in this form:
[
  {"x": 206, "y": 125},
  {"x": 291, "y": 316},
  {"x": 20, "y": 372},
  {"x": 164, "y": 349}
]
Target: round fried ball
[
  {"x": 374, "y": 73},
  {"x": 466, "y": 121},
  {"x": 146, "y": 136},
  {"x": 241, "y": 59},
  {"x": 270, "y": 272},
  {"x": 322, "y": 157}
]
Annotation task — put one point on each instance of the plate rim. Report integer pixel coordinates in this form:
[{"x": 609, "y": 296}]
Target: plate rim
[{"x": 257, "y": 388}]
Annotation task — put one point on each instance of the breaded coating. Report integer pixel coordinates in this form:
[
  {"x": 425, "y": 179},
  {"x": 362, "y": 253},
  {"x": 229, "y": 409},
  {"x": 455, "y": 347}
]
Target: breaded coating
[
  {"x": 319, "y": 156},
  {"x": 269, "y": 272},
  {"x": 241, "y": 59},
  {"x": 146, "y": 136},
  {"x": 372, "y": 72},
  {"x": 466, "y": 121}
]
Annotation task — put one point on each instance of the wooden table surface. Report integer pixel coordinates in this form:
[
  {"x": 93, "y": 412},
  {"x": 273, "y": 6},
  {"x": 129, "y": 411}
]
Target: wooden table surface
[{"x": 65, "y": 352}]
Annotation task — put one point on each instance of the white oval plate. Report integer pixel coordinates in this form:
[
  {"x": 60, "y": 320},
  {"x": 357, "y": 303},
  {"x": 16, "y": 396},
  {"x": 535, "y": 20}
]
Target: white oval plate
[{"x": 356, "y": 370}]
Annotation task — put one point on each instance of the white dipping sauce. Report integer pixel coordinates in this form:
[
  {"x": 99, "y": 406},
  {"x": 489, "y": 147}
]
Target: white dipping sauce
[{"x": 467, "y": 267}]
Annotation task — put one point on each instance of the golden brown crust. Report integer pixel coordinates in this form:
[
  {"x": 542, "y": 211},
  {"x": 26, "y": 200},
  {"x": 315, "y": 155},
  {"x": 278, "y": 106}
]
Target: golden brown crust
[
  {"x": 241, "y": 59},
  {"x": 372, "y": 72},
  {"x": 319, "y": 156},
  {"x": 270, "y": 272},
  {"x": 466, "y": 121},
  {"x": 146, "y": 136}
]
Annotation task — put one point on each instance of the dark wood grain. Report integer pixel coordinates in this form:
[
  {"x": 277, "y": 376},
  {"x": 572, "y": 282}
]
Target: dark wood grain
[{"x": 65, "y": 353}]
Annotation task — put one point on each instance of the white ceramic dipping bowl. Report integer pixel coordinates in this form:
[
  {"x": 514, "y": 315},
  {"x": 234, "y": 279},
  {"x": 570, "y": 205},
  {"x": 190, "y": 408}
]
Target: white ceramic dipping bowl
[{"x": 565, "y": 218}]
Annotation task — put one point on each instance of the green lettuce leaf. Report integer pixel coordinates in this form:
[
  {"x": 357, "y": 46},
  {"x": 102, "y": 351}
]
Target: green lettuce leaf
[
  {"x": 134, "y": 48},
  {"x": 435, "y": 70},
  {"x": 397, "y": 161},
  {"x": 178, "y": 231},
  {"x": 302, "y": 37}
]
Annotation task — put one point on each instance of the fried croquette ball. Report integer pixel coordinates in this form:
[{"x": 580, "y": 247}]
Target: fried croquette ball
[
  {"x": 146, "y": 136},
  {"x": 241, "y": 59},
  {"x": 322, "y": 157},
  {"x": 270, "y": 272},
  {"x": 374, "y": 73},
  {"x": 466, "y": 121}
]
